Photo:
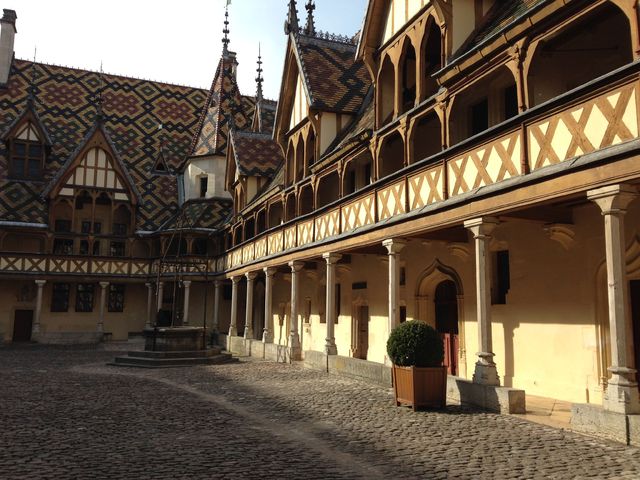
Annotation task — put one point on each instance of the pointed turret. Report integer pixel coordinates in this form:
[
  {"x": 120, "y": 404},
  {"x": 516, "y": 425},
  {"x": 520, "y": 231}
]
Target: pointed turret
[
  {"x": 291, "y": 25},
  {"x": 225, "y": 31},
  {"x": 310, "y": 27},
  {"x": 259, "y": 79}
]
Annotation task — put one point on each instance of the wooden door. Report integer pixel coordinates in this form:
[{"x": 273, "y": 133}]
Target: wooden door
[
  {"x": 446, "y": 306},
  {"x": 22, "y": 323},
  {"x": 634, "y": 293},
  {"x": 362, "y": 332}
]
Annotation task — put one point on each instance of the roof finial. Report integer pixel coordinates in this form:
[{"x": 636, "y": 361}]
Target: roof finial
[
  {"x": 291, "y": 25},
  {"x": 225, "y": 39},
  {"x": 259, "y": 79},
  {"x": 310, "y": 27},
  {"x": 31, "y": 98},
  {"x": 99, "y": 111}
]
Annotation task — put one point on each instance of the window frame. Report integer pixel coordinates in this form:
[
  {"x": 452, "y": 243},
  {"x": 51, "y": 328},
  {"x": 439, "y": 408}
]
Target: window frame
[
  {"x": 85, "y": 292},
  {"x": 59, "y": 304},
  {"x": 116, "y": 298}
]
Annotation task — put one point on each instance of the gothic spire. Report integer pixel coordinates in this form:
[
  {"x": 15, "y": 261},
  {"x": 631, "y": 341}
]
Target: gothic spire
[
  {"x": 31, "y": 98},
  {"x": 310, "y": 27},
  {"x": 225, "y": 31},
  {"x": 99, "y": 111},
  {"x": 259, "y": 79},
  {"x": 291, "y": 25}
]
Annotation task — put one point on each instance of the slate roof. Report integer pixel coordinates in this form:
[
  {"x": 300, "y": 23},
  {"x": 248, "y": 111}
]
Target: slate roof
[
  {"x": 223, "y": 102},
  {"x": 256, "y": 154},
  {"x": 210, "y": 213},
  {"x": 133, "y": 108},
  {"x": 335, "y": 80},
  {"x": 501, "y": 14}
]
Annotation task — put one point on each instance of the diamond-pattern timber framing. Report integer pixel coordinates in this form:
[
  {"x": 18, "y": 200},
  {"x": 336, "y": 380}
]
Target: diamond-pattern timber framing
[
  {"x": 328, "y": 225},
  {"x": 358, "y": 213},
  {"x": 426, "y": 187},
  {"x": 607, "y": 120},
  {"x": 261, "y": 248},
  {"x": 276, "y": 243},
  {"x": 491, "y": 163},
  {"x": 305, "y": 232},
  {"x": 290, "y": 238},
  {"x": 247, "y": 253},
  {"x": 392, "y": 200}
]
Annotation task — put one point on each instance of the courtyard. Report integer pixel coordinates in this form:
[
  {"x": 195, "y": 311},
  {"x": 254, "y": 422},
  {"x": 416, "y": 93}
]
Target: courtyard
[{"x": 65, "y": 414}]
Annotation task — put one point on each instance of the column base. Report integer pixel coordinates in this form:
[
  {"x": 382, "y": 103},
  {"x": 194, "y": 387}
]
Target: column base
[
  {"x": 266, "y": 336},
  {"x": 233, "y": 331},
  {"x": 248, "y": 333},
  {"x": 330, "y": 349},
  {"x": 622, "y": 395},
  {"x": 294, "y": 346},
  {"x": 486, "y": 374}
]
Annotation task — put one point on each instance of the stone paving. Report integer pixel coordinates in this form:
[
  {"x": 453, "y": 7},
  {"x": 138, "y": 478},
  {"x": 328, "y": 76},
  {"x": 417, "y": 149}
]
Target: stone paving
[{"x": 64, "y": 414}]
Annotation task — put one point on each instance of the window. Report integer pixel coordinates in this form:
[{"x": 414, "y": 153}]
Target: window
[
  {"x": 501, "y": 278},
  {"x": 84, "y": 247},
  {"x": 60, "y": 297},
  {"x": 403, "y": 313},
  {"x": 119, "y": 229},
  {"x": 62, "y": 225},
  {"x": 203, "y": 186},
  {"x": 117, "y": 249},
  {"x": 96, "y": 248},
  {"x": 85, "y": 227},
  {"x": 84, "y": 297},
  {"x": 116, "y": 298},
  {"x": 27, "y": 154},
  {"x": 97, "y": 228},
  {"x": 403, "y": 276},
  {"x": 63, "y": 246},
  {"x": 510, "y": 102}
]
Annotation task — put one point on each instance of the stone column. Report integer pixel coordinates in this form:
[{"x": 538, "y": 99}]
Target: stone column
[
  {"x": 149, "y": 286},
  {"x": 248, "y": 323},
  {"x": 103, "y": 301},
  {"x": 622, "y": 389},
  {"x": 35, "y": 330},
  {"x": 267, "y": 334},
  {"x": 185, "y": 308},
  {"x": 159, "y": 296},
  {"x": 485, "y": 371},
  {"x": 294, "y": 337},
  {"x": 330, "y": 304},
  {"x": 217, "y": 286},
  {"x": 394, "y": 246},
  {"x": 233, "y": 327}
]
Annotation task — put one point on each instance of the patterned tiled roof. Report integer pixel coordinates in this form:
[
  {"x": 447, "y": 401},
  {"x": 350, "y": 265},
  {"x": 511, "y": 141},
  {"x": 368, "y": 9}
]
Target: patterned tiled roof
[
  {"x": 267, "y": 111},
  {"x": 336, "y": 81},
  {"x": 499, "y": 16},
  {"x": 256, "y": 154},
  {"x": 223, "y": 102},
  {"x": 133, "y": 109},
  {"x": 361, "y": 125},
  {"x": 210, "y": 213}
]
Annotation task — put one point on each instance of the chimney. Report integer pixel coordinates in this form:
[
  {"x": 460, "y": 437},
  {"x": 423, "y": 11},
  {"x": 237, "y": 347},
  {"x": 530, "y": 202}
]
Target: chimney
[{"x": 7, "y": 34}]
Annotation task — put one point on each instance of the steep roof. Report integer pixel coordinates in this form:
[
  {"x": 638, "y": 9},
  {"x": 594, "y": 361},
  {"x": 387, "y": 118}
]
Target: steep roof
[
  {"x": 334, "y": 79},
  {"x": 133, "y": 108},
  {"x": 223, "y": 103},
  {"x": 210, "y": 214},
  {"x": 256, "y": 154}
]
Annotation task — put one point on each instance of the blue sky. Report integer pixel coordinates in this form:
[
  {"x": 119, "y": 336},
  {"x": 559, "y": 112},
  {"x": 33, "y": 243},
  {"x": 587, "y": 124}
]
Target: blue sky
[{"x": 177, "y": 42}]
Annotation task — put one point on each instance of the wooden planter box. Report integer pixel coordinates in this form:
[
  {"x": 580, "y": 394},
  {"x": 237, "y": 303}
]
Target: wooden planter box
[{"x": 420, "y": 387}]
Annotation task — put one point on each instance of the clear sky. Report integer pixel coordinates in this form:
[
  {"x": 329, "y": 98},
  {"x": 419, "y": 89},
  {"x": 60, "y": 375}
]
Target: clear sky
[{"x": 172, "y": 41}]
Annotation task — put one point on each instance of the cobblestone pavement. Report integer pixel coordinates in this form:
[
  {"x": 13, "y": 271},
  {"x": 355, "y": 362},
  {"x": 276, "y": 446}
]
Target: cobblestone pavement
[{"x": 64, "y": 414}]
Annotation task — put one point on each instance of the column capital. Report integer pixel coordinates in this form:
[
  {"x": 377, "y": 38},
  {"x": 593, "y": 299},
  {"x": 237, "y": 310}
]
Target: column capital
[
  {"x": 236, "y": 280},
  {"x": 40, "y": 283},
  {"x": 186, "y": 283},
  {"x": 331, "y": 258},
  {"x": 217, "y": 283},
  {"x": 394, "y": 245},
  {"x": 613, "y": 198},
  {"x": 269, "y": 271},
  {"x": 482, "y": 226},
  {"x": 148, "y": 284},
  {"x": 104, "y": 284},
  {"x": 296, "y": 266},
  {"x": 251, "y": 276}
]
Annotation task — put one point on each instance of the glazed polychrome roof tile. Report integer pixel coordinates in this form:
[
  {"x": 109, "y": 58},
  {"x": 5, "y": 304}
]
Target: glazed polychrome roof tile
[{"x": 133, "y": 110}]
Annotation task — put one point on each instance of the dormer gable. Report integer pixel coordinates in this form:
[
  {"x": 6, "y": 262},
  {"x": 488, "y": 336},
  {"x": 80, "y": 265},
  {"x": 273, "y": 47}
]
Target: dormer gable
[{"x": 94, "y": 165}]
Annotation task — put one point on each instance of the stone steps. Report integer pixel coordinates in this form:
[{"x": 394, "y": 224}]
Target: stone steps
[
  {"x": 134, "y": 359},
  {"x": 209, "y": 352}
]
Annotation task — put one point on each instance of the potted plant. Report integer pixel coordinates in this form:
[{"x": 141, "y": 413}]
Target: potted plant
[{"x": 419, "y": 377}]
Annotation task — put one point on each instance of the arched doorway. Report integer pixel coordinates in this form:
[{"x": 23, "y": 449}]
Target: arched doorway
[{"x": 446, "y": 309}]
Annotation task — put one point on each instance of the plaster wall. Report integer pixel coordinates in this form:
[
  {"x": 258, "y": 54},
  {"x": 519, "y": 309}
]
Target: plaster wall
[
  {"x": 214, "y": 167},
  {"x": 399, "y": 13}
]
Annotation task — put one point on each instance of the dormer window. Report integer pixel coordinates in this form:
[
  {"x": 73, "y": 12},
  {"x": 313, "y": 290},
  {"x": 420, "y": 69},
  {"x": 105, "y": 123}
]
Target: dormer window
[
  {"x": 204, "y": 184},
  {"x": 26, "y": 153}
]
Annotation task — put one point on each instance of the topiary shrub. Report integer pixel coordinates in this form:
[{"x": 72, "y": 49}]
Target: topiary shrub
[{"x": 415, "y": 344}]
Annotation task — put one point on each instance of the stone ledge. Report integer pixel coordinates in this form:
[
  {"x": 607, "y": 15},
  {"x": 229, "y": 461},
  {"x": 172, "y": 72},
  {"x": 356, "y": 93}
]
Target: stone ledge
[
  {"x": 490, "y": 398},
  {"x": 68, "y": 338},
  {"x": 350, "y": 367},
  {"x": 595, "y": 420}
]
